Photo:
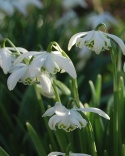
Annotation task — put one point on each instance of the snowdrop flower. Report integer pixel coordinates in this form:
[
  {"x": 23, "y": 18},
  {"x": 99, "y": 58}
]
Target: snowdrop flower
[
  {"x": 22, "y": 73},
  {"x": 46, "y": 93},
  {"x": 95, "y": 40},
  {"x": 69, "y": 119},
  {"x": 70, "y": 154},
  {"x": 52, "y": 62},
  {"x": 69, "y": 4},
  {"x": 94, "y": 19},
  {"x": 7, "y": 57}
]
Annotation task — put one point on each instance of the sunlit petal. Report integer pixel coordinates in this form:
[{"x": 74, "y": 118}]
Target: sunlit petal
[
  {"x": 15, "y": 76},
  {"x": 65, "y": 64},
  {"x": 118, "y": 41},
  {"x": 25, "y": 55},
  {"x": 45, "y": 81},
  {"x": 73, "y": 39},
  {"x": 78, "y": 154},
  {"x": 56, "y": 154},
  {"x": 94, "y": 110},
  {"x": 49, "y": 112}
]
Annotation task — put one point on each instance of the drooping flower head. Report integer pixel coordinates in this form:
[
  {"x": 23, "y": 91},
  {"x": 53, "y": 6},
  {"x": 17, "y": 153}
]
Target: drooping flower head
[
  {"x": 69, "y": 119},
  {"x": 32, "y": 67},
  {"x": 53, "y": 62},
  {"x": 95, "y": 40},
  {"x": 70, "y": 154},
  {"x": 7, "y": 57}
]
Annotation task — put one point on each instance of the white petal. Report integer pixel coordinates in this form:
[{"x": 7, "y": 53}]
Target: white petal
[
  {"x": 98, "y": 42},
  {"x": 78, "y": 117},
  {"x": 73, "y": 39},
  {"x": 45, "y": 82},
  {"x": 94, "y": 110},
  {"x": 65, "y": 64},
  {"x": 5, "y": 60},
  {"x": 65, "y": 122},
  {"x": 56, "y": 154},
  {"x": 61, "y": 110},
  {"x": 118, "y": 41},
  {"x": 15, "y": 76},
  {"x": 78, "y": 154},
  {"x": 50, "y": 64},
  {"x": 25, "y": 55},
  {"x": 49, "y": 112},
  {"x": 53, "y": 121},
  {"x": 22, "y": 50},
  {"x": 75, "y": 122},
  {"x": 37, "y": 64}
]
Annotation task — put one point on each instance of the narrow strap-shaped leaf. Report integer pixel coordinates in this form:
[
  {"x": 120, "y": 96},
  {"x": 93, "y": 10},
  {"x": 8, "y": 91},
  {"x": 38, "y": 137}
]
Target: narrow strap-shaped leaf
[
  {"x": 123, "y": 150},
  {"x": 36, "y": 141},
  {"x": 3, "y": 152},
  {"x": 98, "y": 87},
  {"x": 93, "y": 92}
]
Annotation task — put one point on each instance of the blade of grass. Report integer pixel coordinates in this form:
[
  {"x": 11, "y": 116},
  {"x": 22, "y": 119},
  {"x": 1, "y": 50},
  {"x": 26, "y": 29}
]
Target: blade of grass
[{"x": 38, "y": 145}]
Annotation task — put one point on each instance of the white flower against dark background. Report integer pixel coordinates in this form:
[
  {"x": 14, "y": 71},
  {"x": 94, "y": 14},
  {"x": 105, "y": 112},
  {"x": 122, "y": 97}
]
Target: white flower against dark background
[
  {"x": 69, "y": 119},
  {"x": 95, "y": 40}
]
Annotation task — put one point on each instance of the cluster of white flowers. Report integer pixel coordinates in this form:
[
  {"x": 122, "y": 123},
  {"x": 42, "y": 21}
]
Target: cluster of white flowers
[
  {"x": 9, "y": 6},
  {"x": 31, "y": 67}
]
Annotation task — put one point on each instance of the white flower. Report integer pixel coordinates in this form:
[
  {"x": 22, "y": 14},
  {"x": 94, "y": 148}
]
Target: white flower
[
  {"x": 69, "y": 4},
  {"x": 69, "y": 119},
  {"x": 95, "y": 40},
  {"x": 7, "y": 57},
  {"x": 45, "y": 93},
  {"x": 70, "y": 154},
  {"x": 23, "y": 73},
  {"x": 53, "y": 62},
  {"x": 94, "y": 19}
]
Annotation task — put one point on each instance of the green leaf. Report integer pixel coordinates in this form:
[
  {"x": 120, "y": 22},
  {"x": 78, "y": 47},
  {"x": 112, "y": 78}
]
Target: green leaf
[
  {"x": 36, "y": 141},
  {"x": 98, "y": 87},
  {"x": 3, "y": 152},
  {"x": 62, "y": 87},
  {"x": 93, "y": 92},
  {"x": 123, "y": 150}
]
